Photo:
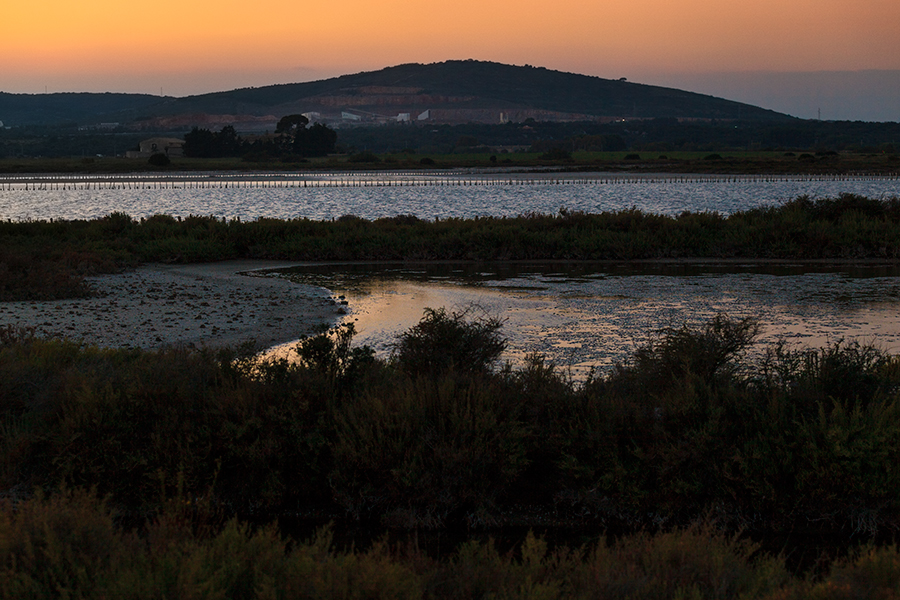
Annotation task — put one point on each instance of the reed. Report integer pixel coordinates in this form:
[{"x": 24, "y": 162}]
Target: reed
[{"x": 60, "y": 253}]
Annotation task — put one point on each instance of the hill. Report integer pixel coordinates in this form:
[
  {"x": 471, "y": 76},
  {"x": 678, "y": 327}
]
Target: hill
[
  {"x": 77, "y": 108},
  {"x": 447, "y": 92}
]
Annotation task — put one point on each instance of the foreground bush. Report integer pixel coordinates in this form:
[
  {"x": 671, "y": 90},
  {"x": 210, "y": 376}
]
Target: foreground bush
[
  {"x": 442, "y": 342},
  {"x": 798, "y": 440},
  {"x": 68, "y": 545}
]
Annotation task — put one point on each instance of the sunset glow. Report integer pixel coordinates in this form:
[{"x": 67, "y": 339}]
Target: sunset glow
[{"x": 200, "y": 46}]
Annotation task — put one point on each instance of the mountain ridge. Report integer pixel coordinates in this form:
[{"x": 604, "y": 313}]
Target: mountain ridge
[{"x": 489, "y": 90}]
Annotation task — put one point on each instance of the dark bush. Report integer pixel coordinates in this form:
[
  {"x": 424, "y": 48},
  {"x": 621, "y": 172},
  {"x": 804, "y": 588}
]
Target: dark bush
[
  {"x": 454, "y": 341},
  {"x": 709, "y": 353},
  {"x": 331, "y": 356},
  {"x": 418, "y": 451},
  {"x": 159, "y": 160}
]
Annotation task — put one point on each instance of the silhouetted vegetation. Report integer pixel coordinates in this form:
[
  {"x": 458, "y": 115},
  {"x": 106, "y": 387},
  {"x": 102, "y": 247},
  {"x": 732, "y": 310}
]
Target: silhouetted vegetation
[
  {"x": 846, "y": 227},
  {"x": 650, "y": 135},
  {"x": 435, "y": 435},
  {"x": 203, "y": 143},
  {"x": 159, "y": 160},
  {"x": 70, "y": 545},
  {"x": 292, "y": 138},
  {"x": 691, "y": 437},
  {"x": 857, "y": 142}
]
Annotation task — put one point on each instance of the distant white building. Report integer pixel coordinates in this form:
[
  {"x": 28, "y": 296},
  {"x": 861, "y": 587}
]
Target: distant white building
[
  {"x": 424, "y": 116},
  {"x": 403, "y": 118}
]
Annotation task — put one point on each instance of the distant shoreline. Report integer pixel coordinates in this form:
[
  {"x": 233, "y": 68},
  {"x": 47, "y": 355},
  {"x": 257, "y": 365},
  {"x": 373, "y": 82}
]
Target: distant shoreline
[{"x": 682, "y": 163}]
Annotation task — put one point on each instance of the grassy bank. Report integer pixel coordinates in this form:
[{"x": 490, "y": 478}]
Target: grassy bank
[
  {"x": 47, "y": 259},
  {"x": 689, "y": 438}
]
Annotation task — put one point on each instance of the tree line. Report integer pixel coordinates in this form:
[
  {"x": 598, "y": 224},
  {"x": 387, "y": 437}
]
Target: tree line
[{"x": 293, "y": 137}]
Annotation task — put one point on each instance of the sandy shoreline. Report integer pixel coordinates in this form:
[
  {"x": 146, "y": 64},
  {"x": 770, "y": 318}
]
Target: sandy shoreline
[{"x": 209, "y": 305}]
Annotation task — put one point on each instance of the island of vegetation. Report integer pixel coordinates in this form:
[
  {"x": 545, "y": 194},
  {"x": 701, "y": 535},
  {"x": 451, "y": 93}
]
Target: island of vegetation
[{"x": 48, "y": 259}]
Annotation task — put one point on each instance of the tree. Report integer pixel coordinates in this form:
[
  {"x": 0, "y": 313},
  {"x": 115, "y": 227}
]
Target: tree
[
  {"x": 290, "y": 124},
  {"x": 199, "y": 143},
  {"x": 294, "y": 137},
  {"x": 287, "y": 129},
  {"x": 228, "y": 142},
  {"x": 203, "y": 143},
  {"x": 318, "y": 140},
  {"x": 456, "y": 341}
]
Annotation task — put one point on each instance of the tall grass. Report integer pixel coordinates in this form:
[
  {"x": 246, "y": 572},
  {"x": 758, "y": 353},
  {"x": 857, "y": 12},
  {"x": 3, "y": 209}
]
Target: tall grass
[{"x": 69, "y": 545}]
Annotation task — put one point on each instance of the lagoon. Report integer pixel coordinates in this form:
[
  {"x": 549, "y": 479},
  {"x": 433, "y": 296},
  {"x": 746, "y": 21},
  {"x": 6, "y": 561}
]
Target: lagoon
[
  {"x": 427, "y": 195},
  {"x": 580, "y": 316},
  {"x": 585, "y": 316}
]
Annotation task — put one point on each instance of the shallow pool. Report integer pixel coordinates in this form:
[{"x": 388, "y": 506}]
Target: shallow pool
[{"x": 590, "y": 315}]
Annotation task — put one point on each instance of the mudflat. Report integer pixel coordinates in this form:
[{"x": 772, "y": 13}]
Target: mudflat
[{"x": 204, "y": 305}]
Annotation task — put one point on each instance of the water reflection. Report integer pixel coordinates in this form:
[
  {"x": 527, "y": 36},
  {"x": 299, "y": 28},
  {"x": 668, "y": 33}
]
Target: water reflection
[
  {"x": 590, "y": 315},
  {"x": 428, "y": 195}
]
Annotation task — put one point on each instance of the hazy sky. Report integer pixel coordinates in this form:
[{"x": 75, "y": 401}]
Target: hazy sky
[{"x": 193, "y": 46}]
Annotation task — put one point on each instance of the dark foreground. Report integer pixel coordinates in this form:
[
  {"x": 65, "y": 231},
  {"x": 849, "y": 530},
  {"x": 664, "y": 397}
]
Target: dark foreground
[{"x": 685, "y": 452}]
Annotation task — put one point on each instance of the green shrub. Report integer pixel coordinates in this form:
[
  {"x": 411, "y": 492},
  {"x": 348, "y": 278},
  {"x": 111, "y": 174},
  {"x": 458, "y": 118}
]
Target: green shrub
[
  {"x": 67, "y": 545},
  {"x": 45, "y": 260},
  {"x": 689, "y": 424},
  {"x": 159, "y": 160},
  {"x": 870, "y": 573}
]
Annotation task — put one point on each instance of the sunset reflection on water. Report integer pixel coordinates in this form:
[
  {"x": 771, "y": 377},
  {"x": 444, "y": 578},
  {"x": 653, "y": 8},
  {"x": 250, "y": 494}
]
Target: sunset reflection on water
[{"x": 591, "y": 316}]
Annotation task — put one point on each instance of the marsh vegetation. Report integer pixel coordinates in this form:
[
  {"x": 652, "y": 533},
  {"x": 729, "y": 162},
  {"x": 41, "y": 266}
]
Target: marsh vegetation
[
  {"x": 684, "y": 471},
  {"x": 156, "y": 469},
  {"x": 48, "y": 259}
]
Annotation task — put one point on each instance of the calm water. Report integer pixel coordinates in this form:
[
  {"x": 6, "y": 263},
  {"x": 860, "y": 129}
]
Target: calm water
[
  {"x": 577, "y": 315},
  {"x": 592, "y": 315},
  {"x": 428, "y": 196}
]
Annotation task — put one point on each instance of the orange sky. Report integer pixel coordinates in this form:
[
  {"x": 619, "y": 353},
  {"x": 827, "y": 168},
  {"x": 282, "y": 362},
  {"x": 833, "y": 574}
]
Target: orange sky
[{"x": 193, "y": 46}]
